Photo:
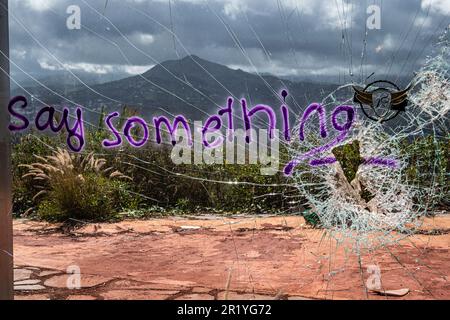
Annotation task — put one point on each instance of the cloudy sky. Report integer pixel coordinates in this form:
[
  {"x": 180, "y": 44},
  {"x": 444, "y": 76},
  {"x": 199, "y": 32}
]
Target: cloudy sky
[{"x": 290, "y": 38}]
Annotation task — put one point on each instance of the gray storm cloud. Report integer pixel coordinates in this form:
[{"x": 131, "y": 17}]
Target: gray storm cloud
[{"x": 282, "y": 37}]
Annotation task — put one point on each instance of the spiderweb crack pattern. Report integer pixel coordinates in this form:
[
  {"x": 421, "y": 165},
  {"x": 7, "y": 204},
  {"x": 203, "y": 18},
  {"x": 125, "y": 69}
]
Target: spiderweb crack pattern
[{"x": 368, "y": 205}]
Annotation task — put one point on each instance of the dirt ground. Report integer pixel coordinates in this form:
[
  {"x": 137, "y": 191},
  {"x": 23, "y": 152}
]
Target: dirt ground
[{"x": 212, "y": 257}]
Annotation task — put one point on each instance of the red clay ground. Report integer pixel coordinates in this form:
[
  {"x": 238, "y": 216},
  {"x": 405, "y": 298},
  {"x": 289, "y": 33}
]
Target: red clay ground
[{"x": 222, "y": 258}]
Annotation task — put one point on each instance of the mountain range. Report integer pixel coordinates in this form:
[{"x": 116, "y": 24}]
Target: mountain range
[{"x": 190, "y": 86}]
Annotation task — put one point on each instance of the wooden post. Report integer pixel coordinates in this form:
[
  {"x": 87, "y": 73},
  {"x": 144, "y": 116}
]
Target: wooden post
[{"x": 6, "y": 237}]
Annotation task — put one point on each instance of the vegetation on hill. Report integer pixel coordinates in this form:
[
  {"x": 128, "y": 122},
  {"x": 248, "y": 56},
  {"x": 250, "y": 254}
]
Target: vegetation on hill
[{"x": 100, "y": 184}]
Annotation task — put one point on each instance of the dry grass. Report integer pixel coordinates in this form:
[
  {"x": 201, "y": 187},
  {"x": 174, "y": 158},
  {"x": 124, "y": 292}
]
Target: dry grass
[{"x": 74, "y": 185}]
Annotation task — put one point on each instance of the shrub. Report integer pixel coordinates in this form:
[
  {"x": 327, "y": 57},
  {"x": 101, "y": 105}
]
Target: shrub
[
  {"x": 79, "y": 186},
  {"x": 25, "y": 147},
  {"x": 311, "y": 218},
  {"x": 76, "y": 187},
  {"x": 200, "y": 187},
  {"x": 429, "y": 166}
]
